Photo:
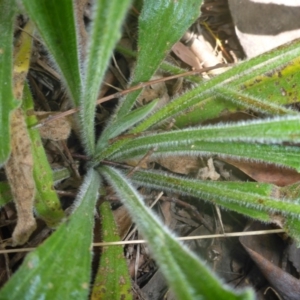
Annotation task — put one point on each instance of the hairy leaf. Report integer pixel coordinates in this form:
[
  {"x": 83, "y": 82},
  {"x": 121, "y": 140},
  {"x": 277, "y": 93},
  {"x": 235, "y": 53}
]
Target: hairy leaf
[
  {"x": 103, "y": 38},
  {"x": 7, "y": 101},
  {"x": 47, "y": 204},
  {"x": 161, "y": 24},
  {"x": 188, "y": 276},
  {"x": 224, "y": 140},
  {"x": 65, "y": 255},
  {"x": 276, "y": 154},
  {"x": 244, "y": 73},
  {"x": 124, "y": 123},
  {"x": 58, "y": 30},
  {"x": 256, "y": 200},
  {"x": 112, "y": 280}
]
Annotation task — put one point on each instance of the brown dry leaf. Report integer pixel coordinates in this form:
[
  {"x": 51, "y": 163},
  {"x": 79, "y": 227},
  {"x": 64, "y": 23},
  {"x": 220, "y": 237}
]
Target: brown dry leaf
[
  {"x": 265, "y": 252},
  {"x": 19, "y": 170},
  {"x": 189, "y": 165},
  {"x": 155, "y": 91},
  {"x": 186, "y": 55},
  {"x": 123, "y": 220},
  {"x": 180, "y": 164},
  {"x": 19, "y": 167},
  {"x": 56, "y": 130},
  {"x": 262, "y": 172}
]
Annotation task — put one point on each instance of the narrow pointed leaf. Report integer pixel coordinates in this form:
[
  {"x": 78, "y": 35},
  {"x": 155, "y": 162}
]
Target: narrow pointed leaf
[
  {"x": 244, "y": 73},
  {"x": 257, "y": 104},
  {"x": 61, "y": 267},
  {"x": 124, "y": 123},
  {"x": 253, "y": 199},
  {"x": 103, "y": 37},
  {"x": 187, "y": 275},
  {"x": 223, "y": 140},
  {"x": 275, "y": 154},
  {"x": 112, "y": 280},
  {"x": 161, "y": 24},
  {"x": 7, "y": 101},
  {"x": 275, "y": 130},
  {"x": 47, "y": 204},
  {"x": 56, "y": 25}
]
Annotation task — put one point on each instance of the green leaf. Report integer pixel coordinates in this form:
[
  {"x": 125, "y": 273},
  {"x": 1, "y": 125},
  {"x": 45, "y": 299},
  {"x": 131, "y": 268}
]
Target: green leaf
[
  {"x": 56, "y": 25},
  {"x": 187, "y": 275},
  {"x": 275, "y": 154},
  {"x": 124, "y": 123},
  {"x": 249, "y": 198},
  {"x": 253, "y": 102},
  {"x": 60, "y": 268},
  {"x": 7, "y": 101},
  {"x": 5, "y": 193},
  {"x": 245, "y": 73},
  {"x": 47, "y": 204},
  {"x": 161, "y": 24},
  {"x": 112, "y": 280},
  {"x": 224, "y": 140},
  {"x": 103, "y": 37}
]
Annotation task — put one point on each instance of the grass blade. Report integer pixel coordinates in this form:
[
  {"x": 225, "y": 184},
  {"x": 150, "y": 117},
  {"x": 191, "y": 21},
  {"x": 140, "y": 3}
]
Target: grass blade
[{"x": 50, "y": 272}]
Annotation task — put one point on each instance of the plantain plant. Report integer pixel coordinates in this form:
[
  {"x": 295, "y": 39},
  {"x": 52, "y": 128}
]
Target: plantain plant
[{"x": 60, "y": 268}]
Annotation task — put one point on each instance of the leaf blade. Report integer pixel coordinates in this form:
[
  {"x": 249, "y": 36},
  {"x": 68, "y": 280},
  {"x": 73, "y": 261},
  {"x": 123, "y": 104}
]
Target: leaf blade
[
  {"x": 179, "y": 266},
  {"x": 46, "y": 268},
  {"x": 61, "y": 43},
  {"x": 47, "y": 204},
  {"x": 112, "y": 280},
  {"x": 7, "y": 101},
  {"x": 156, "y": 39},
  {"x": 102, "y": 41}
]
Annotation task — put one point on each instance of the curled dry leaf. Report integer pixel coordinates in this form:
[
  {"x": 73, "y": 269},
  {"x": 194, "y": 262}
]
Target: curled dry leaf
[
  {"x": 19, "y": 172},
  {"x": 19, "y": 167}
]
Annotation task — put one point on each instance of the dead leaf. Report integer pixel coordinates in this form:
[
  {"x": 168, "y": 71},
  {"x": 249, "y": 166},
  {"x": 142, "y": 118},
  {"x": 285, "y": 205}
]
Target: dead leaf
[
  {"x": 265, "y": 252},
  {"x": 19, "y": 167},
  {"x": 267, "y": 173},
  {"x": 180, "y": 164},
  {"x": 186, "y": 55},
  {"x": 19, "y": 172},
  {"x": 123, "y": 220},
  {"x": 208, "y": 172},
  {"x": 56, "y": 130},
  {"x": 155, "y": 91}
]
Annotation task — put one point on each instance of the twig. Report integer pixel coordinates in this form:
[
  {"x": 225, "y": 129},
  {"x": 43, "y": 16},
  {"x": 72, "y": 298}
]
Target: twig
[
  {"x": 186, "y": 238},
  {"x": 129, "y": 90}
]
